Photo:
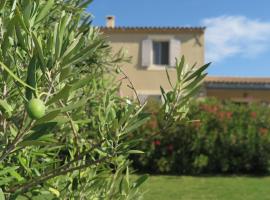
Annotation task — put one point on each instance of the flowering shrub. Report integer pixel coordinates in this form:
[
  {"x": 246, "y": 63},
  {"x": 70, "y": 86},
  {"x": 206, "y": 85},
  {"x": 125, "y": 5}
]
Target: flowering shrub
[{"x": 226, "y": 138}]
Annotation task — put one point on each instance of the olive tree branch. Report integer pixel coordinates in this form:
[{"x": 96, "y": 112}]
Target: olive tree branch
[
  {"x": 74, "y": 131},
  {"x": 24, "y": 187},
  {"x": 10, "y": 147},
  {"x": 52, "y": 88},
  {"x": 131, "y": 86}
]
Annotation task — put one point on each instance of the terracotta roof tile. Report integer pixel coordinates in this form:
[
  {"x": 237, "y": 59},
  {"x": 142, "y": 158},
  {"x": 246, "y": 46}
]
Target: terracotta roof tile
[
  {"x": 152, "y": 29},
  {"x": 254, "y": 80}
]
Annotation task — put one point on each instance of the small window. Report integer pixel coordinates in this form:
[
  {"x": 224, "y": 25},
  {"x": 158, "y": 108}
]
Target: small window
[
  {"x": 160, "y": 53},
  {"x": 143, "y": 98}
]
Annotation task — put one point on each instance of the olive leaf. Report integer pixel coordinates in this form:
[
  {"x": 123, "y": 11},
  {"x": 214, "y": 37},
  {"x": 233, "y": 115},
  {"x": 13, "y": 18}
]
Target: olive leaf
[{"x": 15, "y": 77}]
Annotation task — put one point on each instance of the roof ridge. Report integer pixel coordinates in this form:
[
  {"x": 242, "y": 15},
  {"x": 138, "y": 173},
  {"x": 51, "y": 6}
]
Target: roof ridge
[
  {"x": 158, "y": 27},
  {"x": 153, "y": 28},
  {"x": 238, "y": 76},
  {"x": 233, "y": 79}
]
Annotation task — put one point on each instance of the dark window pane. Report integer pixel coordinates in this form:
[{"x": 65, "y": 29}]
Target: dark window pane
[
  {"x": 160, "y": 53},
  {"x": 156, "y": 53},
  {"x": 165, "y": 53}
]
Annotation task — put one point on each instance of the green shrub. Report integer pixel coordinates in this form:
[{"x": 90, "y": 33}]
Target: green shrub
[
  {"x": 64, "y": 130},
  {"x": 226, "y": 138}
]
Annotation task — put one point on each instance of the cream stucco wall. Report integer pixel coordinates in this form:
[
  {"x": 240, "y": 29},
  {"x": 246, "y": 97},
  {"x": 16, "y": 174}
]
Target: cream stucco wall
[
  {"x": 240, "y": 95},
  {"x": 148, "y": 80}
]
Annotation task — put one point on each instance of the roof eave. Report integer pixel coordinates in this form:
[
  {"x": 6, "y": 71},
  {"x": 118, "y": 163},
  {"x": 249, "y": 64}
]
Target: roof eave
[{"x": 152, "y": 29}]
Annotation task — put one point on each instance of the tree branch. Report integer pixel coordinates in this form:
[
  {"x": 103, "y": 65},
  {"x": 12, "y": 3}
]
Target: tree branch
[
  {"x": 24, "y": 187},
  {"x": 131, "y": 86}
]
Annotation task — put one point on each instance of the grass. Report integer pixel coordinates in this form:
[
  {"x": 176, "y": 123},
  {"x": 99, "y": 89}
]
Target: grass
[{"x": 207, "y": 188}]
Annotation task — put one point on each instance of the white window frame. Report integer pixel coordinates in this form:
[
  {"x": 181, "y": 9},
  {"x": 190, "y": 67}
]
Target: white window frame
[{"x": 159, "y": 38}]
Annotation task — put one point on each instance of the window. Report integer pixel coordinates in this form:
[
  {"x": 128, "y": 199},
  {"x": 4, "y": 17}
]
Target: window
[
  {"x": 160, "y": 50},
  {"x": 143, "y": 98},
  {"x": 160, "y": 53}
]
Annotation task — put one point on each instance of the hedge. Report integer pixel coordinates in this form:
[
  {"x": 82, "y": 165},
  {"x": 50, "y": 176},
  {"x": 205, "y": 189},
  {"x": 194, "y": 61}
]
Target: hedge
[{"x": 222, "y": 137}]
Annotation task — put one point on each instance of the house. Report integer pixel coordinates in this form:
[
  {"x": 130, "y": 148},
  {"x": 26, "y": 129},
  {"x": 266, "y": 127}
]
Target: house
[
  {"x": 153, "y": 48},
  {"x": 238, "y": 89}
]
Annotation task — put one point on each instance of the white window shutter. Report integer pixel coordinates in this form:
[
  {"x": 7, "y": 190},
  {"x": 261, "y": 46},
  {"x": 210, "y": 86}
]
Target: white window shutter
[
  {"x": 146, "y": 53},
  {"x": 175, "y": 50}
]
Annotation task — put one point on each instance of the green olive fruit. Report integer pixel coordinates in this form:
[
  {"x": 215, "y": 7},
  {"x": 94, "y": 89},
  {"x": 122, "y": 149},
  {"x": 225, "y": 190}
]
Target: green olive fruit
[{"x": 36, "y": 108}]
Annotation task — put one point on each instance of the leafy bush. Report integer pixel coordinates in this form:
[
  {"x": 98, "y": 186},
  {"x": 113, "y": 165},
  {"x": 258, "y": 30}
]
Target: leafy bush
[
  {"x": 227, "y": 138},
  {"x": 61, "y": 120},
  {"x": 64, "y": 131}
]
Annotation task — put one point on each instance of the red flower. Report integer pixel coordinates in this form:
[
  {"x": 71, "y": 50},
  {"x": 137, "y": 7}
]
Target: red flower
[
  {"x": 253, "y": 114},
  {"x": 157, "y": 142},
  {"x": 229, "y": 115}
]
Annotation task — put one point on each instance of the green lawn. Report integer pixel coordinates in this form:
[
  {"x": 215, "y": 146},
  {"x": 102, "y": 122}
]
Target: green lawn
[{"x": 207, "y": 188}]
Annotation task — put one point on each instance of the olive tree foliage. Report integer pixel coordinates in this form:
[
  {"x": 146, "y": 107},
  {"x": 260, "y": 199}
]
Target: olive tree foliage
[{"x": 79, "y": 148}]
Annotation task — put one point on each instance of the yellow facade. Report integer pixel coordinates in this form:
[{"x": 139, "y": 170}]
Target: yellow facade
[{"x": 147, "y": 80}]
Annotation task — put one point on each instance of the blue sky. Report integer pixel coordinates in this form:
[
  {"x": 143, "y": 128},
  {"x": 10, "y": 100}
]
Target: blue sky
[{"x": 237, "y": 34}]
